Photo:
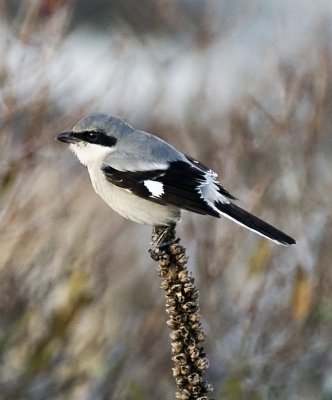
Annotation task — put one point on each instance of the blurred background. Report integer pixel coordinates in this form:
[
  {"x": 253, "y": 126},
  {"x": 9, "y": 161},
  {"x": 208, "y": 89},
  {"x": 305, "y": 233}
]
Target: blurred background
[{"x": 245, "y": 86}]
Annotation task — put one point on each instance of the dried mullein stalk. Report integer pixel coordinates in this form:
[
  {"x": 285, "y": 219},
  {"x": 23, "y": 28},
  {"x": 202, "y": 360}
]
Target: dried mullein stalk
[{"x": 182, "y": 307}]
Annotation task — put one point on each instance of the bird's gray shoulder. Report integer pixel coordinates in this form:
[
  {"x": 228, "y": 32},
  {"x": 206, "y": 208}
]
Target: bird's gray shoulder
[{"x": 137, "y": 150}]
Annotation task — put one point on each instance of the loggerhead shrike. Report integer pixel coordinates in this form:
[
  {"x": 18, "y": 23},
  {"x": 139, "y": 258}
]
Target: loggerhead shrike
[{"x": 148, "y": 181}]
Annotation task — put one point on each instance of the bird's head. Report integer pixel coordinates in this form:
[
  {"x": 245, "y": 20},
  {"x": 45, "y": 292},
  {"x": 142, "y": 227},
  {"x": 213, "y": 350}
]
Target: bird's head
[{"x": 93, "y": 137}]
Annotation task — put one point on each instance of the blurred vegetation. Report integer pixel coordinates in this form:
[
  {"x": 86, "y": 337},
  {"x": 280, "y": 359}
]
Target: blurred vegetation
[{"x": 243, "y": 86}]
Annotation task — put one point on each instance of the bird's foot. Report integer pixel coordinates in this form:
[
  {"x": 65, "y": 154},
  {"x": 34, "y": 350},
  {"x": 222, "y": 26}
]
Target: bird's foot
[{"x": 162, "y": 237}]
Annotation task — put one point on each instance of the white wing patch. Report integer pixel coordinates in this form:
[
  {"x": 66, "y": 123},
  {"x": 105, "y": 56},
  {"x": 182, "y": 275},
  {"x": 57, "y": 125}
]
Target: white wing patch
[{"x": 155, "y": 188}]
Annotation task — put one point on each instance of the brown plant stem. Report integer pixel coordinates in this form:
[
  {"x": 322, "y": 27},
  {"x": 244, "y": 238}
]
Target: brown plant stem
[{"x": 182, "y": 307}]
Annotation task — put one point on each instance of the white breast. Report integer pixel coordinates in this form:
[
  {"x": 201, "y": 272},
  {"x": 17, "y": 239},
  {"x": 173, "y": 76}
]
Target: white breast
[{"x": 131, "y": 206}]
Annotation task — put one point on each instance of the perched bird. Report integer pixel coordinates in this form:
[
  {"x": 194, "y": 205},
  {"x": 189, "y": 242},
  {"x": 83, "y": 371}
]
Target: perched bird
[{"x": 148, "y": 181}]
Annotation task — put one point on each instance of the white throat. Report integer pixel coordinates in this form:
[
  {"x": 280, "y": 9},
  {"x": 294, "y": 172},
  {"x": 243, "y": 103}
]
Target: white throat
[{"x": 89, "y": 153}]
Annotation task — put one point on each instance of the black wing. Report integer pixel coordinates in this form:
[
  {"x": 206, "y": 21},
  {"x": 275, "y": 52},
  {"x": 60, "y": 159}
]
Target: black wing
[{"x": 180, "y": 182}]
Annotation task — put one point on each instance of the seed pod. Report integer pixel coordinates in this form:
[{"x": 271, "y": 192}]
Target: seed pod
[{"x": 193, "y": 379}]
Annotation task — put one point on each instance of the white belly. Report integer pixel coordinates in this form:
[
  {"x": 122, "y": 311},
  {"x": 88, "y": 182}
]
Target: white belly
[{"x": 131, "y": 206}]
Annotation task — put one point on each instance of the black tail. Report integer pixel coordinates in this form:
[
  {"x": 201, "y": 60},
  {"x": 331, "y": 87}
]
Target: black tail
[{"x": 253, "y": 223}]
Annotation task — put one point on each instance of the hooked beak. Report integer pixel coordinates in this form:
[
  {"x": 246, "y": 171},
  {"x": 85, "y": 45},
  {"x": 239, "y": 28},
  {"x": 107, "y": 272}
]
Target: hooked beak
[{"x": 67, "y": 137}]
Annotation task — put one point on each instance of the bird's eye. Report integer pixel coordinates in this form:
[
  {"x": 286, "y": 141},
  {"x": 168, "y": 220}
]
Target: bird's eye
[{"x": 92, "y": 136}]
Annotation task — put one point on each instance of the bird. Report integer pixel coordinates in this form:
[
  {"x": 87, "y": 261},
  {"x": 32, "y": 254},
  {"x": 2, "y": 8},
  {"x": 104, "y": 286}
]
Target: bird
[{"x": 147, "y": 180}]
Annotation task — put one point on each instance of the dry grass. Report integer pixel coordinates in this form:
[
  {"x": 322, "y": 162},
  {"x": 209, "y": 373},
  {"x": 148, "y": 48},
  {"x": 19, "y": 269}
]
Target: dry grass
[{"x": 81, "y": 312}]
